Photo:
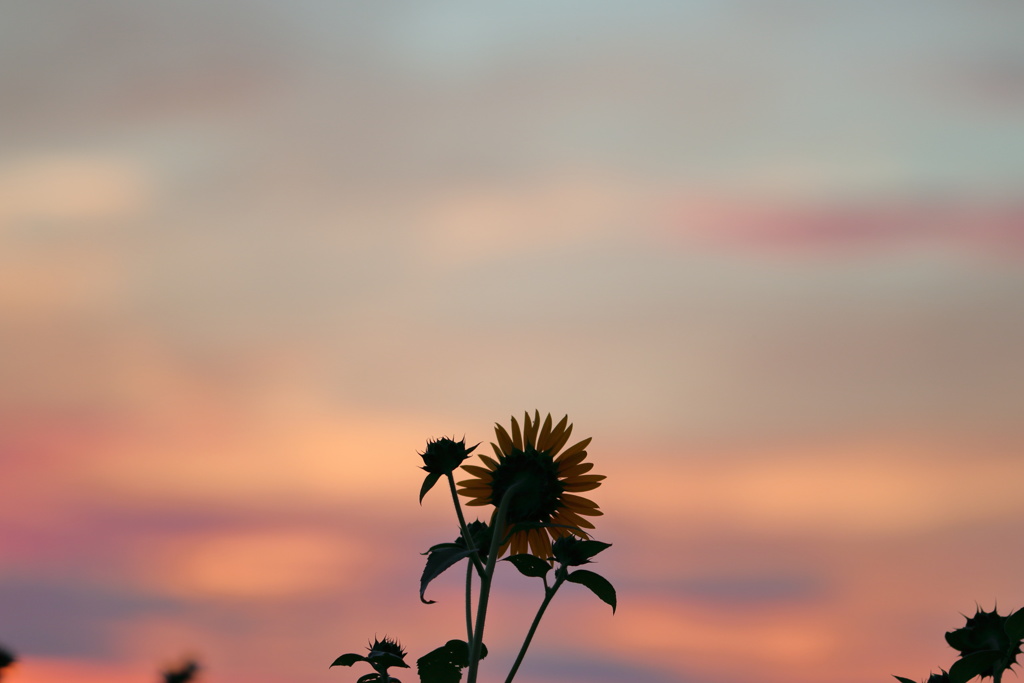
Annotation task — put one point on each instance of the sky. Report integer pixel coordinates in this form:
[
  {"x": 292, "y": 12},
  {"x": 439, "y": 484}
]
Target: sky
[{"x": 253, "y": 255}]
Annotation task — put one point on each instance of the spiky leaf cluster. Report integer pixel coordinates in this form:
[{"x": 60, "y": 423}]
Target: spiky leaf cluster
[
  {"x": 988, "y": 643},
  {"x": 383, "y": 655},
  {"x": 442, "y": 457}
]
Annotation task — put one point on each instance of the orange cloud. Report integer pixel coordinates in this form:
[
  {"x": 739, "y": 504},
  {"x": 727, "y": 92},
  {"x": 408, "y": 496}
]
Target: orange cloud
[
  {"x": 261, "y": 564},
  {"x": 860, "y": 489},
  {"x": 483, "y": 220},
  {"x": 71, "y": 190}
]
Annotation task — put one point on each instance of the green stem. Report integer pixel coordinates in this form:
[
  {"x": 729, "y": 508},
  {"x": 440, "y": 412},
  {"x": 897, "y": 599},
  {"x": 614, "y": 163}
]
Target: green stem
[
  {"x": 549, "y": 593},
  {"x": 497, "y": 534},
  {"x": 469, "y": 605},
  {"x": 462, "y": 525}
]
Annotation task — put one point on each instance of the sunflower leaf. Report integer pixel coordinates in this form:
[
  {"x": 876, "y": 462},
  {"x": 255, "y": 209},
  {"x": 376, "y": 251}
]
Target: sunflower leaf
[
  {"x": 901, "y": 679},
  {"x": 440, "y": 558},
  {"x": 348, "y": 660},
  {"x": 445, "y": 664},
  {"x": 587, "y": 549},
  {"x": 958, "y": 639},
  {"x": 428, "y": 483},
  {"x": 1014, "y": 625},
  {"x": 529, "y": 565},
  {"x": 969, "y": 666},
  {"x": 371, "y": 678},
  {"x": 596, "y": 583}
]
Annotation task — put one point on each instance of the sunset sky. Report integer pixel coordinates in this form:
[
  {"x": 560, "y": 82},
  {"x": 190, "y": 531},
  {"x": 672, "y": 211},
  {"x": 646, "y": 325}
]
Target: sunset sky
[{"x": 253, "y": 254}]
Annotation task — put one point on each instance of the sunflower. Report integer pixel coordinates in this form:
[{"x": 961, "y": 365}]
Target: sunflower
[{"x": 549, "y": 483}]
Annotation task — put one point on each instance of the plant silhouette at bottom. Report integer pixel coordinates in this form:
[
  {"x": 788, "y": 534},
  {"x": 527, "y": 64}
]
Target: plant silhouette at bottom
[
  {"x": 539, "y": 524},
  {"x": 988, "y": 645}
]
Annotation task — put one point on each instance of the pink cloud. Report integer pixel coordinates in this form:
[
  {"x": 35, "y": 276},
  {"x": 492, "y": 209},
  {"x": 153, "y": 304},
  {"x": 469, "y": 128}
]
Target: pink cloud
[{"x": 848, "y": 226}]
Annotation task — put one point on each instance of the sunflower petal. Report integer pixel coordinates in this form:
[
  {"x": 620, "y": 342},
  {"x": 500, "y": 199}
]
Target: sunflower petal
[
  {"x": 504, "y": 441},
  {"x": 476, "y": 491},
  {"x": 570, "y": 518},
  {"x": 578, "y": 501},
  {"x": 545, "y": 434},
  {"x": 585, "y": 478},
  {"x": 575, "y": 470},
  {"x": 497, "y": 452},
  {"x": 517, "y": 436},
  {"x": 560, "y": 442},
  {"x": 571, "y": 461},
  {"x": 532, "y": 540},
  {"x": 530, "y": 428},
  {"x": 492, "y": 464},
  {"x": 579, "y": 487},
  {"x": 556, "y": 434},
  {"x": 542, "y": 545},
  {"x": 573, "y": 450},
  {"x": 482, "y": 472},
  {"x": 477, "y": 501},
  {"x": 519, "y": 544}
]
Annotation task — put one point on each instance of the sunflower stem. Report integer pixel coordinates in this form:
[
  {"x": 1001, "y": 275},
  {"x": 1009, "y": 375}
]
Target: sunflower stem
[
  {"x": 497, "y": 536},
  {"x": 469, "y": 606},
  {"x": 549, "y": 593},
  {"x": 462, "y": 525}
]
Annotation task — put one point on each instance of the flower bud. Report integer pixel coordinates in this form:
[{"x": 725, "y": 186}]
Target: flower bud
[{"x": 444, "y": 455}]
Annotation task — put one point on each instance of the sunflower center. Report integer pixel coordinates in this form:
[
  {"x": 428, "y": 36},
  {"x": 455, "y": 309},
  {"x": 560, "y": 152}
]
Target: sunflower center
[{"x": 539, "y": 495}]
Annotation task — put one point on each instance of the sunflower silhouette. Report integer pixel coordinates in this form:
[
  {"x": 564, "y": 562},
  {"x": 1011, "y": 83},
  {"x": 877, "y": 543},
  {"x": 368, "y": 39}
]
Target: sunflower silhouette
[{"x": 547, "y": 482}]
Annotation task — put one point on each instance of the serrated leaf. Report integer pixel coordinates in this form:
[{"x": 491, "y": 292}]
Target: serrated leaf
[
  {"x": 1014, "y": 625},
  {"x": 601, "y": 587},
  {"x": 966, "y": 668},
  {"x": 428, "y": 483},
  {"x": 529, "y": 565},
  {"x": 348, "y": 660},
  {"x": 901, "y": 679},
  {"x": 440, "y": 558},
  {"x": 445, "y": 664},
  {"x": 443, "y": 546}
]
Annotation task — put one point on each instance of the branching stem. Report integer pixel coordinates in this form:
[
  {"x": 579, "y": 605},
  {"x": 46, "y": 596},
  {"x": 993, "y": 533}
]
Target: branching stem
[{"x": 549, "y": 593}]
